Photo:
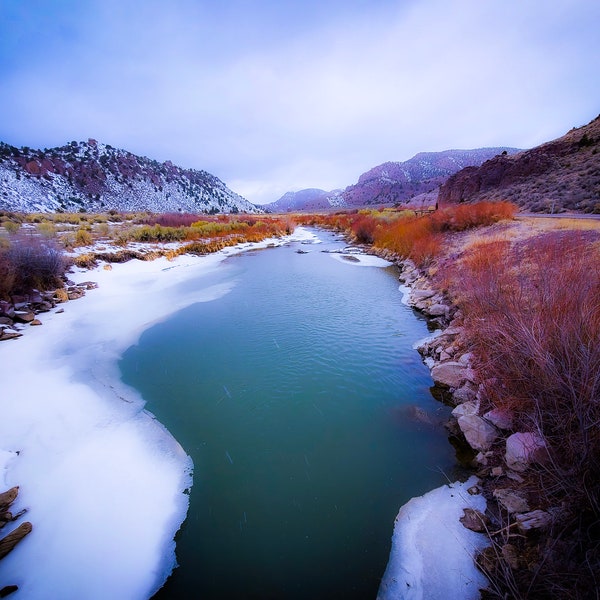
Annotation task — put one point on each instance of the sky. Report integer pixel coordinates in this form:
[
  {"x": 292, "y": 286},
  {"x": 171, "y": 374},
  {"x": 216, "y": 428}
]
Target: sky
[{"x": 274, "y": 96}]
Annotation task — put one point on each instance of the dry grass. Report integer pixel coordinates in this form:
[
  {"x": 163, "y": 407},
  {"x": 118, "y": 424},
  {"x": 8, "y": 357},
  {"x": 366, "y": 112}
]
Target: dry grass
[{"x": 531, "y": 306}]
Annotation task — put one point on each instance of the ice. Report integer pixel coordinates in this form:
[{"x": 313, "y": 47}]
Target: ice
[
  {"x": 360, "y": 260},
  {"x": 432, "y": 553},
  {"x": 104, "y": 482}
]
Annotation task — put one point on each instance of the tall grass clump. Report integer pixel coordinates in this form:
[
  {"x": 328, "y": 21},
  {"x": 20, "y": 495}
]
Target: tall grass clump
[{"x": 532, "y": 319}]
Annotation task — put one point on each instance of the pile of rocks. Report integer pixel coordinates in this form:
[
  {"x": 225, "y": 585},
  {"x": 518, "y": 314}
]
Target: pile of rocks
[
  {"x": 23, "y": 311},
  {"x": 501, "y": 455}
]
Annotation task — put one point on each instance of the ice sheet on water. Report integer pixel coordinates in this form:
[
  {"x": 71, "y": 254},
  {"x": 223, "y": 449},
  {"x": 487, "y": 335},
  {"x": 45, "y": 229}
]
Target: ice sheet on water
[{"x": 432, "y": 552}]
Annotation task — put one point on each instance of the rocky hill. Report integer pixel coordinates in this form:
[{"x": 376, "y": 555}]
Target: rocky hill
[
  {"x": 561, "y": 175},
  {"x": 94, "y": 177}
]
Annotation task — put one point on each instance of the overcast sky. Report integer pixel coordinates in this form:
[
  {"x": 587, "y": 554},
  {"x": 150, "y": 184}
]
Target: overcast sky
[{"x": 272, "y": 96}]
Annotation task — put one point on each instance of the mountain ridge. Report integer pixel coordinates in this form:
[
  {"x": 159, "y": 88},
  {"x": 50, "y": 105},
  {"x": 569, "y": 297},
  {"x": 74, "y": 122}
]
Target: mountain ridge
[
  {"x": 390, "y": 183},
  {"x": 95, "y": 177}
]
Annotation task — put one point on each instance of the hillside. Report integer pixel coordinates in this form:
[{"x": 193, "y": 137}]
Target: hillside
[
  {"x": 94, "y": 177},
  {"x": 560, "y": 175}
]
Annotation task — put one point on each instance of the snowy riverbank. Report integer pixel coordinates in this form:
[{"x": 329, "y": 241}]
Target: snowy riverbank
[
  {"x": 102, "y": 480},
  {"x": 104, "y": 483}
]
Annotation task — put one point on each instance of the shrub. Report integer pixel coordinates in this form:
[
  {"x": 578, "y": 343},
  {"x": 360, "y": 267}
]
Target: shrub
[
  {"x": 83, "y": 237},
  {"x": 47, "y": 229},
  {"x": 33, "y": 263},
  {"x": 532, "y": 319}
]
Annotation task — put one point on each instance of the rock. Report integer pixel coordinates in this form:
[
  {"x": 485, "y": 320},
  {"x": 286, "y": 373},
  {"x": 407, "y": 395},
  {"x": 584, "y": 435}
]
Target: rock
[
  {"x": 474, "y": 490},
  {"x": 524, "y": 448},
  {"x": 511, "y": 501},
  {"x": 24, "y": 316},
  {"x": 535, "y": 519},
  {"x": 8, "y": 497},
  {"x": 35, "y": 322},
  {"x": 6, "y": 321},
  {"x": 88, "y": 285},
  {"x": 12, "y": 539},
  {"x": 437, "y": 310},
  {"x": 477, "y": 431},
  {"x": 465, "y": 393},
  {"x": 75, "y": 294},
  {"x": 450, "y": 374},
  {"x": 500, "y": 418},
  {"x": 9, "y": 334},
  {"x": 6, "y": 309},
  {"x": 7, "y": 590},
  {"x": 422, "y": 294},
  {"x": 465, "y": 359},
  {"x": 466, "y": 408},
  {"x": 474, "y": 520}
]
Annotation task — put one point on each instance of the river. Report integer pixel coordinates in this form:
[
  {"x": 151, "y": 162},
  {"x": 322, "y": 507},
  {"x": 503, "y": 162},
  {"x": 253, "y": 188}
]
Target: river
[{"x": 309, "y": 419}]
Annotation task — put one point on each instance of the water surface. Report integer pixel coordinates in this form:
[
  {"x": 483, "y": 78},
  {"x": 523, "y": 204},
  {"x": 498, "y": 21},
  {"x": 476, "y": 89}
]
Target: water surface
[{"x": 296, "y": 396}]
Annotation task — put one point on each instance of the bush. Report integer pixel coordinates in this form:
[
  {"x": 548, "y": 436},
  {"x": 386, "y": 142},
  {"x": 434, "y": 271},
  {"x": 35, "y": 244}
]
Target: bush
[
  {"x": 532, "y": 319},
  {"x": 31, "y": 263}
]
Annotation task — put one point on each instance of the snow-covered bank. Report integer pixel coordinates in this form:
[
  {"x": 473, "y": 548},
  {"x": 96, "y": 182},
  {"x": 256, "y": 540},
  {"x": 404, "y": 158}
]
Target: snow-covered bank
[
  {"x": 103, "y": 480},
  {"x": 432, "y": 552}
]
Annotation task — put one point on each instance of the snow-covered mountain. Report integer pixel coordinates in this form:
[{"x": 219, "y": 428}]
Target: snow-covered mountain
[
  {"x": 96, "y": 177},
  {"x": 308, "y": 199}
]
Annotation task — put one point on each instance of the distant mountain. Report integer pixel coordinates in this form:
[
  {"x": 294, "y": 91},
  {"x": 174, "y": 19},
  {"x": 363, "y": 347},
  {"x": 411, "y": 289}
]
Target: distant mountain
[
  {"x": 398, "y": 182},
  {"x": 563, "y": 174},
  {"x": 309, "y": 199},
  {"x": 94, "y": 177},
  {"x": 413, "y": 181}
]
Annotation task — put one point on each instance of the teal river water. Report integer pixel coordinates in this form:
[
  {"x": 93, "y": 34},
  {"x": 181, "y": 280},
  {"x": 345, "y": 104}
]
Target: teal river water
[{"x": 295, "y": 395}]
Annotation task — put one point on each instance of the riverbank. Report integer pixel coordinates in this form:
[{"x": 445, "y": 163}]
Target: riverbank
[
  {"x": 485, "y": 292},
  {"x": 102, "y": 481}
]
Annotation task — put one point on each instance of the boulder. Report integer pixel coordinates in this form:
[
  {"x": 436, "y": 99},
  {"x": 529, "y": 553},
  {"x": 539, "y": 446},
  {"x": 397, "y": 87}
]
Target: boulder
[
  {"x": 465, "y": 393},
  {"x": 14, "y": 537},
  {"x": 524, "y": 448},
  {"x": 24, "y": 316},
  {"x": 450, "y": 374},
  {"x": 437, "y": 310},
  {"x": 477, "y": 431},
  {"x": 511, "y": 501},
  {"x": 421, "y": 294},
  {"x": 8, "y": 497},
  {"x": 466, "y": 408},
  {"x": 500, "y": 418},
  {"x": 474, "y": 520},
  {"x": 536, "y": 519}
]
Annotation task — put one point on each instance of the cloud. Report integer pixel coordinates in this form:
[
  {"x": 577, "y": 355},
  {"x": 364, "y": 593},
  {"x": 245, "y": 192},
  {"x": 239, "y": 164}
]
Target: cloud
[{"x": 309, "y": 94}]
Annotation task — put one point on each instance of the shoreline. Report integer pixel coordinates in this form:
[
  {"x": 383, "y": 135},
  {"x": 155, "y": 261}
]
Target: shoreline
[
  {"x": 123, "y": 288},
  {"x": 98, "y": 474}
]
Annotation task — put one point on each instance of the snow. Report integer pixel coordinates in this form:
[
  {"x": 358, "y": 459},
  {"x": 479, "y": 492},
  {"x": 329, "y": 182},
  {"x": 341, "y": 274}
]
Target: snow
[
  {"x": 432, "y": 553},
  {"x": 103, "y": 481},
  {"x": 360, "y": 260}
]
